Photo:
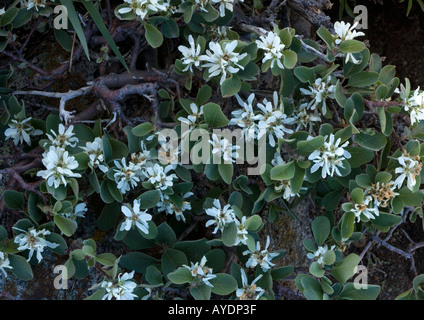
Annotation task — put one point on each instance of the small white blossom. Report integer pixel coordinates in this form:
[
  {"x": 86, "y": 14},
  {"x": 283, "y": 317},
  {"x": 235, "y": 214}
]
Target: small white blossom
[
  {"x": 320, "y": 91},
  {"x": 304, "y": 119},
  {"x": 4, "y": 263},
  {"x": 59, "y": 165},
  {"x": 2, "y": 11},
  {"x": 201, "y": 271},
  {"x": 414, "y": 105},
  {"x": 241, "y": 231},
  {"x": 20, "y": 131},
  {"x": 249, "y": 291},
  {"x": 273, "y": 48},
  {"x": 319, "y": 254},
  {"x": 64, "y": 137},
  {"x": 120, "y": 290},
  {"x": 221, "y": 216},
  {"x": 260, "y": 257},
  {"x": 34, "y": 4},
  {"x": 225, "y": 4},
  {"x": 222, "y": 59},
  {"x": 273, "y": 120},
  {"x": 95, "y": 153},
  {"x": 159, "y": 176},
  {"x": 224, "y": 148},
  {"x": 365, "y": 208},
  {"x": 171, "y": 208},
  {"x": 244, "y": 118},
  {"x": 344, "y": 31},
  {"x": 135, "y": 217},
  {"x": 34, "y": 241},
  {"x": 126, "y": 176},
  {"x": 142, "y": 7},
  {"x": 79, "y": 212},
  {"x": 190, "y": 54},
  {"x": 193, "y": 118},
  {"x": 329, "y": 157},
  {"x": 410, "y": 168}
]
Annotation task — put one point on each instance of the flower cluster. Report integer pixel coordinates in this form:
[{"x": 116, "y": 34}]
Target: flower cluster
[
  {"x": 270, "y": 119},
  {"x": 249, "y": 291},
  {"x": 414, "y": 105},
  {"x": 34, "y": 241},
  {"x": 142, "y": 8},
  {"x": 260, "y": 257},
  {"x": 4, "y": 263},
  {"x": 367, "y": 208},
  {"x": 329, "y": 157},
  {"x": 135, "y": 217},
  {"x": 21, "y": 130},
  {"x": 272, "y": 47},
  {"x": 410, "y": 168},
  {"x": 200, "y": 271},
  {"x": 120, "y": 289},
  {"x": 319, "y": 92},
  {"x": 319, "y": 254},
  {"x": 344, "y": 31}
]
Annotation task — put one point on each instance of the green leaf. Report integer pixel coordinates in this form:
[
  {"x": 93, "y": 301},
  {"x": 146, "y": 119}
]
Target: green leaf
[
  {"x": 3, "y": 233},
  {"x": 109, "y": 216},
  {"x": 351, "y": 46},
  {"x": 306, "y": 147},
  {"x": 305, "y": 74},
  {"x": 153, "y": 275},
  {"x": 13, "y": 199},
  {"x": 166, "y": 235},
  {"x": 316, "y": 270},
  {"x": 229, "y": 234},
  {"x": 21, "y": 268},
  {"x": 223, "y": 284},
  {"x": 387, "y": 73},
  {"x": 409, "y": 198},
  {"x": 203, "y": 95},
  {"x": 63, "y": 38},
  {"x": 349, "y": 292},
  {"x": 253, "y": 223},
  {"x": 281, "y": 272},
  {"x": 345, "y": 269},
  {"x": 170, "y": 29},
  {"x": 284, "y": 171},
  {"x": 214, "y": 115},
  {"x": 180, "y": 276},
  {"x": 357, "y": 195},
  {"x": 290, "y": 59},
  {"x": 326, "y": 36},
  {"x": 347, "y": 225},
  {"x": 8, "y": 16},
  {"x": 363, "y": 79},
  {"x": 321, "y": 229},
  {"x": 153, "y": 36},
  {"x": 137, "y": 261},
  {"x": 374, "y": 141},
  {"x": 386, "y": 220},
  {"x": 226, "y": 170},
  {"x": 230, "y": 86},
  {"x": 202, "y": 292},
  {"x": 142, "y": 129},
  {"x": 149, "y": 199},
  {"x": 67, "y": 226},
  {"x": 74, "y": 19},
  {"x": 172, "y": 259}
]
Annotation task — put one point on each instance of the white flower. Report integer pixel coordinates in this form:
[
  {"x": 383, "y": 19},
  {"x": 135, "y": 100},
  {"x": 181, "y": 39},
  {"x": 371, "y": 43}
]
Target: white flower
[
  {"x": 171, "y": 208},
  {"x": 382, "y": 193},
  {"x": 346, "y": 32},
  {"x": 95, "y": 153},
  {"x": 244, "y": 118},
  {"x": 79, "y": 212},
  {"x": 202, "y": 4},
  {"x": 159, "y": 176},
  {"x": 120, "y": 290},
  {"x": 201, "y": 271},
  {"x": 273, "y": 120},
  {"x": 135, "y": 217},
  {"x": 190, "y": 54},
  {"x": 4, "y": 263},
  {"x": 305, "y": 119},
  {"x": 142, "y": 7},
  {"x": 409, "y": 170},
  {"x": 249, "y": 292},
  {"x": 193, "y": 118},
  {"x": 142, "y": 158},
  {"x": 241, "y": 231},
  {"x": 222, "y": 59},
  {"x": 414, "y": 105},
  {"x": 222, "y": 216},
  {"x": 64, "y": 137},
  {"x": 224, "y": 148},
  {"x": 320, "y": 91},
  {"x": 319, "y": 254},
  {"x": 329, "y": 157},
  {"x": 20, "y": 131},
  {"x": 260, "y": 257},
  {"x": 35, "y": 4},
  {"x": 225, "y": 4},
  {"x": 2, "y": 11},
  {"x": 59, "y": 165},
  {"x": 273, "y": 48},
  {"x": 33, "y": 240},
  {"x": 126, "y": 177},
  {"x": 365, "y": 209}
]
